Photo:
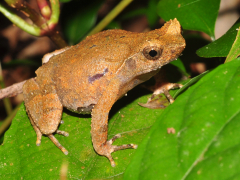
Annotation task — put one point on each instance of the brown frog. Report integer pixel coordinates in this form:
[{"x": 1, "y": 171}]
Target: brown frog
[{"x": 92, "y": 75}]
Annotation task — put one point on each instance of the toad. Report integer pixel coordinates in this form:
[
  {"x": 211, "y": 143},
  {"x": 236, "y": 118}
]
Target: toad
[{"x": 92, "y": 75}]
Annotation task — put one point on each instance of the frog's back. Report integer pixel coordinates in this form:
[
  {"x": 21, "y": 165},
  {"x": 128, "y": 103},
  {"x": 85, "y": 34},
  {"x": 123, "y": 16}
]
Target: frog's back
[{"x": 82, "y": 72}]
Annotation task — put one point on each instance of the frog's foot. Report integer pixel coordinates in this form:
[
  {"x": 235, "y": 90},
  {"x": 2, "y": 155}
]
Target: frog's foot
[
  {"x": 165, "y": 89},
  {"x": 55, "y": 141},
  {"x": 108, "y": 148}
]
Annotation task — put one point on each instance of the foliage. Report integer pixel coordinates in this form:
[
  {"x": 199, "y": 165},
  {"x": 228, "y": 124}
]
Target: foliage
[{"x": 204, "y": 114}]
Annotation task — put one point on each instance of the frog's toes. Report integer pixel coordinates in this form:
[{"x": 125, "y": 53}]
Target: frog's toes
[
  {"x": 62, "y": 133},
  {"x": 108, "y": 148},
  {"x": 38, "y": 142},
  {"x": 165, "y": 89},
  {"x": 125, "y": 146},
  {"x": 114, "y": 138},
  {"x": 55, "y": 141},
  {"x": 39, "y": 137},
  {"x": 65, "y": 151}
]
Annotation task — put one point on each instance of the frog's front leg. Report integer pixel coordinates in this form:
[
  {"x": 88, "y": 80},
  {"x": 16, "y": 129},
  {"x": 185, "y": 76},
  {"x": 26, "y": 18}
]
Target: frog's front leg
[
  {"x": 99, "y": 125},
  {"x": 162, "y": 85},
  {"x": 165, "y": 89},
  {"x": 44, "y": 110}
]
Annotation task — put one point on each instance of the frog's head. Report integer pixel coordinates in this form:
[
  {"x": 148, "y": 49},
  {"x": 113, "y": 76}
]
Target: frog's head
[{"x": 159, "y": 47}]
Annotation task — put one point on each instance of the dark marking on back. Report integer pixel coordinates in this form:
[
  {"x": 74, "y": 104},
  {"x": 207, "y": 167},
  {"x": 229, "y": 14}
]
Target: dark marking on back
[
  {"x": 97, "y": 76},
  {"x": 122, "y": 36},
  {"x": 92, "y": 46}
]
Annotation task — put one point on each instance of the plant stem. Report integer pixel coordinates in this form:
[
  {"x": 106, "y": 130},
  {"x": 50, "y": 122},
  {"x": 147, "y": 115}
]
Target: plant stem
[
  {"x": 110, "y": 16},
  {"x": 15, "y": 19},
  {"x": 44, "y": 8},
  {"x": 55, "y": 12},
  {"x": 58, "y": 40},
  {"x": 55, "y": 36},
  {"x": 43, "y": 27},
  {"x": 28, "y": 11}
]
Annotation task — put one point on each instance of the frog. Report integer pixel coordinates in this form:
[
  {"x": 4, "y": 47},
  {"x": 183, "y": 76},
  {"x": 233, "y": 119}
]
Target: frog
[{"x": 88, "y": 78}]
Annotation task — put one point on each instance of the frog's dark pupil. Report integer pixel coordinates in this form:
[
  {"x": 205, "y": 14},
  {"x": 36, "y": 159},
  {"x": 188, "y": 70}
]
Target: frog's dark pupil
[{"x": 152, "y": 53}]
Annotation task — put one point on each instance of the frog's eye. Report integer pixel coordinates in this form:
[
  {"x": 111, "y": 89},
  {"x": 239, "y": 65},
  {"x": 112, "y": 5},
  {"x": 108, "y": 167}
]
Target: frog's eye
[{"x": 152, "y": 52}]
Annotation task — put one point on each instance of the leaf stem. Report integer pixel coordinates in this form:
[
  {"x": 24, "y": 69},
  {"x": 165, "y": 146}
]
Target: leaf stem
[
  {"x": 44, "y": 8},
  {"x": 55, "y": 12},
  {"x": 15, "y": 19},
  {"x": 43, "y": 26},
  {"x": 52, "y": 23},
  {"x": 28, "y": 11}
]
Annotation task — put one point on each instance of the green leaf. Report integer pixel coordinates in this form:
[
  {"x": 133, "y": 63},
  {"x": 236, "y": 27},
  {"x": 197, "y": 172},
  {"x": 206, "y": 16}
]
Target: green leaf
[
  {"x": 222, "y": 46},
  {"x": 199, "y": 15},
  {"x": 21, "y": 158},
  {"x": 235, "y": 50},
  {"x": 206, "y": 142},
  {"x": 189, "y": 83},
  {"x": 78, "y": 18}
]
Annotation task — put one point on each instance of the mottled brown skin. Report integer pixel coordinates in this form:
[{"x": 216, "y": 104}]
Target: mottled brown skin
[{"x": 92, "y": 75}]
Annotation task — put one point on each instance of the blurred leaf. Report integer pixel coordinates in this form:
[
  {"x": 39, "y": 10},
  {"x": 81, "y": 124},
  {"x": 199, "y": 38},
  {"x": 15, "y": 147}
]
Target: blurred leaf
[
  {"x": 113, "y": 25},
  {"x": 206, "y": 142},
  {"x": 22, "y": 62},
  {"x": 222, "y": 46},
  {"x": 190, "y": 59},
  {"x": 64, "y": 1},
  {"x": 21, "y": 158},
  {"x": 151, "y": 12},
  {"x": 1, "y": 135},
  {"x": 133, "y": 13},
  {"x": 199, "y": 15},
  {"x": 78, "y": 17},
  {"x": 178, "y": 63}
]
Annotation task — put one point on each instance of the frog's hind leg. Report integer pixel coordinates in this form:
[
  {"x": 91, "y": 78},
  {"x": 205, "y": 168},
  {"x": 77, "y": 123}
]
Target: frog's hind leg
[
  {"x": 33, "y": 102},
  {"x": 38, "y": 132},
  {"x": 44, "y": 110}
]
